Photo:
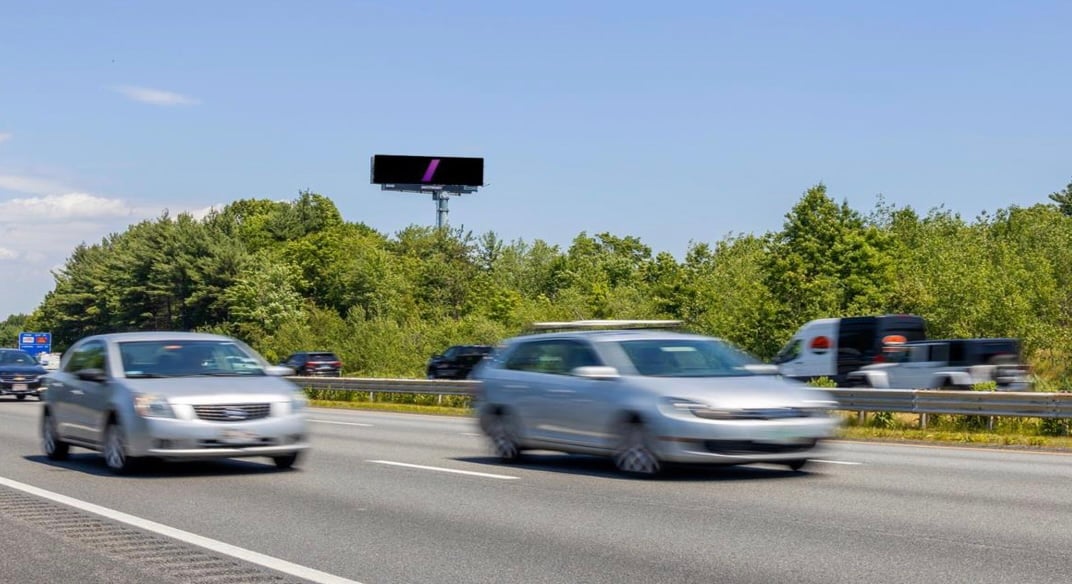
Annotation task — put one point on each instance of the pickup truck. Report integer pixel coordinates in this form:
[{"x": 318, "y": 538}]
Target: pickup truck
[{"x": 947, "y": 364}]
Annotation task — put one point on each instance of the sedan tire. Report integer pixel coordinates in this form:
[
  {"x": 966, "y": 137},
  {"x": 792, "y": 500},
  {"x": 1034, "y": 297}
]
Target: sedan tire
[
  {"x": 55, "y": 449},
  {"x": 115, "y": 450},
  {"x": 286, "y": 461}
]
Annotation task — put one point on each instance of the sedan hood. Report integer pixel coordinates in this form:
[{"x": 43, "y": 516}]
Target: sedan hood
[
  {"x": 204, "y": 385},
  {"x": 746, "y": 392},
  {"x": 22, "y": 369}
]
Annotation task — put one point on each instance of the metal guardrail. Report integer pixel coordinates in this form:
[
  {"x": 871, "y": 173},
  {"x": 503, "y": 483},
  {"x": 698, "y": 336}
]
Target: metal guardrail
[
  {"x": 980, "y": 403},
  {"x": 918, "y": 401},
  {"x": 378, "y": 385}
]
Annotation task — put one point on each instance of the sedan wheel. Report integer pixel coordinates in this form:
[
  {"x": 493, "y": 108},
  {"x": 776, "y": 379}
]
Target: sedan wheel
[
  {"x": 115, "y": 450},
  {"x": 55, "y": 449},
  {"x": 504, "y": 441},
  {"x": 633, "y": 455}
]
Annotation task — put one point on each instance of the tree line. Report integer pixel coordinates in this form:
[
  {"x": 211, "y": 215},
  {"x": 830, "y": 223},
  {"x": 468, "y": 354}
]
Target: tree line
[{"x": 287, "y": 276}]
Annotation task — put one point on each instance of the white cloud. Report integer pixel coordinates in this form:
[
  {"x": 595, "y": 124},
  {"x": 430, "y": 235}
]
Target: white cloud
[
  {"x": 39, "y": 232},
  {"x": 71, "y": 206},
  {"x": 5, "y": 136},
  {"x": 203, "y": 212},
  {"x": 156, "y": 96},
  {"x": 30, "y": 184}
]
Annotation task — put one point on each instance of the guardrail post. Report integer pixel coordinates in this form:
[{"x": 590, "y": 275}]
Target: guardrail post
[
  {"x": 439, "y": 399},
  {"x": 923, "y": 421},
  {"x": 990, "y": 423},
  {"x": 861, "y": 417}
]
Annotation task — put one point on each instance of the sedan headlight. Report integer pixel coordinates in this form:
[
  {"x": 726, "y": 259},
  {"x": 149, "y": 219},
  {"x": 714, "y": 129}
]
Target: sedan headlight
[
  {"x": 298, "y": 401},
  {"x": 676, "y": 405},
  {"x": 153, "y": 406}
]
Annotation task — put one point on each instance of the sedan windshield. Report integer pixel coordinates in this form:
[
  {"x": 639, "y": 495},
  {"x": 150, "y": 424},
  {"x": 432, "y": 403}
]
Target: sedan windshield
[
  {"x": 184, "y": 358},
  {"x": 16, "y": 358},
  {"x": 688, "y": 358}
]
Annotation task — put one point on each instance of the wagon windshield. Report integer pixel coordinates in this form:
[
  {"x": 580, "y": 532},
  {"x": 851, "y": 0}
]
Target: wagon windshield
[{"x": 689, "y": 358}]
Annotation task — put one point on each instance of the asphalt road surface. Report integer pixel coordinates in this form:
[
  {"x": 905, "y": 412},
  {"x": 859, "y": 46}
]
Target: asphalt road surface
[{"x": 395, "y": 498}]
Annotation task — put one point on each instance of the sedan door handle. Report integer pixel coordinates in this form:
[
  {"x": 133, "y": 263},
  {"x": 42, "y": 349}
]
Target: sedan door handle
[
  {"x": 561, "y": 391},
  {"x": 77, "y": 392}
]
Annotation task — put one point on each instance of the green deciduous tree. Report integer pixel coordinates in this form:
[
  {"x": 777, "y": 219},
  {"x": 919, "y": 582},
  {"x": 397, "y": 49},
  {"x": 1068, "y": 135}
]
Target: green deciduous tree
[{"x": 826, "y": 261}]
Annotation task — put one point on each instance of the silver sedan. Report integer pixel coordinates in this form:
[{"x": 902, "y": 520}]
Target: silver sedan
[
  {"x": 646, "y": 398},
  {"x": 171, "y": 396}
]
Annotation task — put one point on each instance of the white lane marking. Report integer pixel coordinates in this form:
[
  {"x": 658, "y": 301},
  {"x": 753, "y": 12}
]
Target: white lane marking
[
  {"x": 848, "y": 462},
  {"x": 227, "y": 549},
  {"x": 340, "y": 423},
  {"x": 473, "y": 434},
  {"x": 450, "y": 470}
]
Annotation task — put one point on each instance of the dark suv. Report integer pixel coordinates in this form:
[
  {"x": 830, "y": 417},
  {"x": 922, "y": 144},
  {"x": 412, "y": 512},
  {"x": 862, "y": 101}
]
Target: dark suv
[
  {"x": 318, "y": 363},
  {"x": 456, "y": 362},
  {"x": 20, "y": 374}
]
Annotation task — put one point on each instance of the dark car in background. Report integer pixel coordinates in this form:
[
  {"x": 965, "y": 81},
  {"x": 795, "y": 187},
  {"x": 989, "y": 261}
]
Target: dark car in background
[
  {"x": 314, "y": 363},
  {"x": 20, "y": 374},
  {"x": 456, "y": 362}
]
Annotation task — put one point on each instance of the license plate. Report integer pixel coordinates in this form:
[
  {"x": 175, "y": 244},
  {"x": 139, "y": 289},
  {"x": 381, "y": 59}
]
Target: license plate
[
  {"x": 237, "y": 437},
  {"x": 782, "y": 434},
  {"x": 20, "y": 387}
]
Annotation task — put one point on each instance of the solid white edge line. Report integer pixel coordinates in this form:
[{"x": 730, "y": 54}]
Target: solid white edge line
[
  {"x": 450, "y": 470},
  {"x": 848, "y": 462},
  {"x": 340, "y": 423},
  {"x": 227, "y": 549}
]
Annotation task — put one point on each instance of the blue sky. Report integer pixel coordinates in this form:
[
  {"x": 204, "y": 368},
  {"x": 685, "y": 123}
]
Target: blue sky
[{"x": 676, "y": 122}]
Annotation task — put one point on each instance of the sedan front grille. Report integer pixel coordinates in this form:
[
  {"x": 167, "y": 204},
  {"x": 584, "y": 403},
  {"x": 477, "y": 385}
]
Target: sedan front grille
[
  {"x": 18, "y": 377},
  {"x": 232, "y": 413},
  {"x": 771, "y": 414}
]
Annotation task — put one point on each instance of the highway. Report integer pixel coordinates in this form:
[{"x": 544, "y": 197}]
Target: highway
[{"x": 394, "y": 498}]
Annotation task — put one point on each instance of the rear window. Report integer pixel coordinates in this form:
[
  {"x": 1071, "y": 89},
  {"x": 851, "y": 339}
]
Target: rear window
[{"x": 323, "y": 357}]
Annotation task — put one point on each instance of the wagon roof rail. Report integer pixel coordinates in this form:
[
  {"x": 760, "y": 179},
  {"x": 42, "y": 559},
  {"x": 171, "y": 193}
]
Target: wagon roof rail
[{"x": 575, "y": 325}]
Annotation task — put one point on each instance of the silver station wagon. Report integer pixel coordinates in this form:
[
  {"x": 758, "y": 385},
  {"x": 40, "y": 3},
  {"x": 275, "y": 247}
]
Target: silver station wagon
[
  {"x": 171, "y": 396},
  {"x": 646, "y": 397}
]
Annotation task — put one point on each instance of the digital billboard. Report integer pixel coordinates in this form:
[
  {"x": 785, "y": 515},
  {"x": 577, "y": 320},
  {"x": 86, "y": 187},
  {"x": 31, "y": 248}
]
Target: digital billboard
[{"x": 427, "y": 170}]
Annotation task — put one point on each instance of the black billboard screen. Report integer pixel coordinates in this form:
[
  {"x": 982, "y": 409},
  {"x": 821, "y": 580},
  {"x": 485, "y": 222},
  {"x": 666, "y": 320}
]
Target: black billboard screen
[{"x": 427, "y": 170}]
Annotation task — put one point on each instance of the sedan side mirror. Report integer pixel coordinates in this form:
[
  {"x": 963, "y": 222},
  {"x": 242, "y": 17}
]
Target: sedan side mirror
[
  {"x": 95, "y": 375},
  {"x": 761, "y": 369},
  {"x": 596, "y": 372}
]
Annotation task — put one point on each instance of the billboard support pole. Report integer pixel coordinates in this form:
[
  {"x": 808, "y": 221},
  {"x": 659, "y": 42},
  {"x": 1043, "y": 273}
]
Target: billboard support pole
[
  {"x": 441, "y": 198},
  {"x": 440, "y": 195}
]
